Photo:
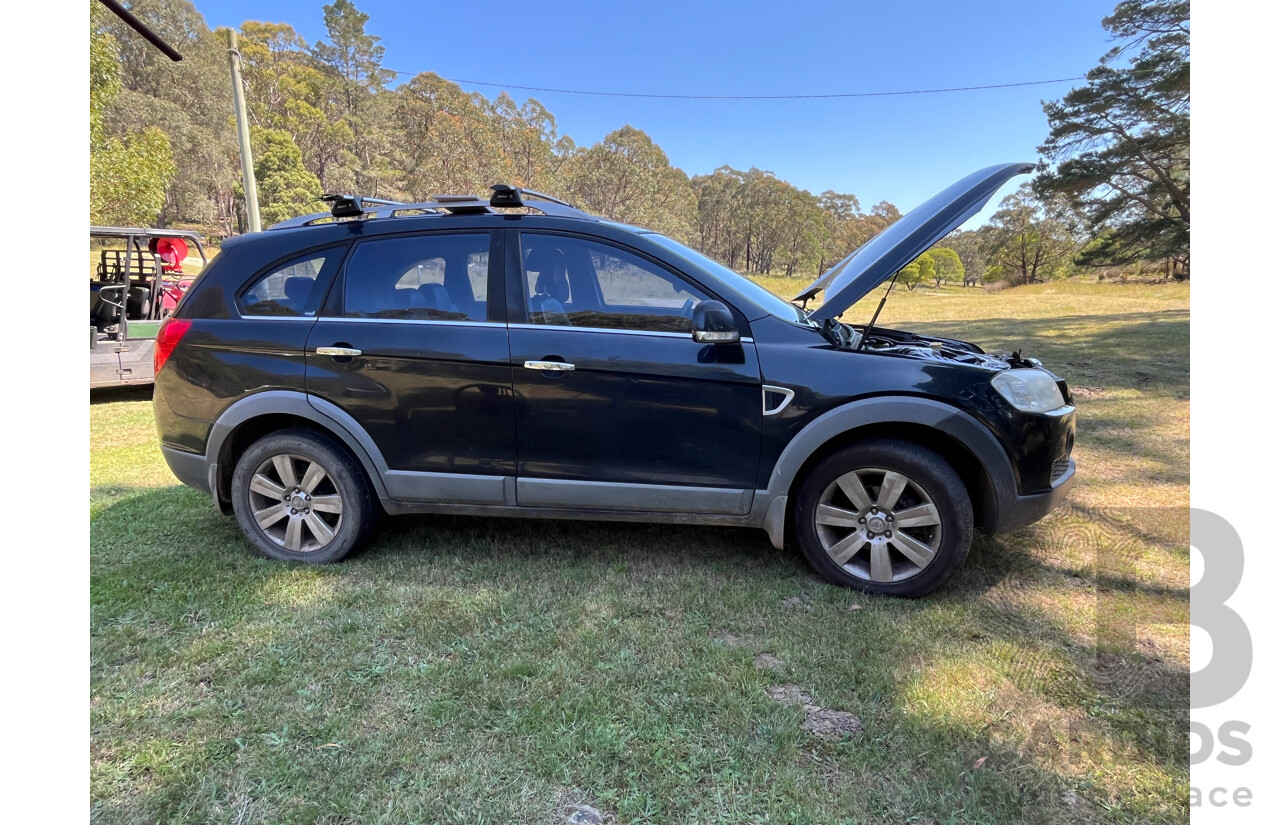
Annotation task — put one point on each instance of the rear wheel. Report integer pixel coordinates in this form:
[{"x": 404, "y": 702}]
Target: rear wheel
[
  {"x": 886, "y": 517},
  {"x": 299, "y": 496}
]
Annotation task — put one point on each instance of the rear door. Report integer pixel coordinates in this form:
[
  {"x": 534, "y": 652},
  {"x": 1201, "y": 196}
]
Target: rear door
[
  {"x": 411, "y": 346},
  {"x": 618, "y": 407}
]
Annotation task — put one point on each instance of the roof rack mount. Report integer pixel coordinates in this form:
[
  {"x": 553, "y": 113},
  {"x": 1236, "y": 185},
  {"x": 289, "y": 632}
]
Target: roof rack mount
[{"x": 355, "y": 207}]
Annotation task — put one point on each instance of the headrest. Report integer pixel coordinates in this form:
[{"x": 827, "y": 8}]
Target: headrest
[
  {"x": 437, "y": 297},
  {"x": 297, "y": 288},
  {"x": 553, "y": 278}
]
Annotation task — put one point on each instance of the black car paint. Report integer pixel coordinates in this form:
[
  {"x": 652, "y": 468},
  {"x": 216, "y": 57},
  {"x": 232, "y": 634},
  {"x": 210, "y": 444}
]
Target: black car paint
[
  {"x": 824, "y": 377},
  {"x": 454, "y": 398}
]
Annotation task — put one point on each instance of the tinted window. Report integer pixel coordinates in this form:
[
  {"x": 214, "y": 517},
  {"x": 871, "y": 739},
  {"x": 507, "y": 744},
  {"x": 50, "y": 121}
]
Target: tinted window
[
  {"x": 288, "y": 290},
  {"x": 424, "y": 278},
  {"x": 767, "y": 300},
  {"x": 575, "y": 282}
]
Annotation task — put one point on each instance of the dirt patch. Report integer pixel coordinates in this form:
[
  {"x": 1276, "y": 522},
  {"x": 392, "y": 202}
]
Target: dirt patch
[
  {"x": 585, "y": 815},
  {"x": 832, "y": 724},
  {"x": 768, "y": 661},
  {"x": 571, "y": 810},
  {"x": 790, "y": 695},
  {"x": 820, "y": 721}
]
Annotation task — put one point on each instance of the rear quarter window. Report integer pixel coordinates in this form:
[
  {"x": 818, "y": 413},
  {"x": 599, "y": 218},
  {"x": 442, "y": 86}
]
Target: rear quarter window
[{"x": 293, "y": 289}]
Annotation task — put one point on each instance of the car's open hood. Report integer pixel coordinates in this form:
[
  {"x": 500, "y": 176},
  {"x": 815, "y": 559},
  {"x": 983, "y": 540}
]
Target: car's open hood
[{"x": 875, "y": 261}]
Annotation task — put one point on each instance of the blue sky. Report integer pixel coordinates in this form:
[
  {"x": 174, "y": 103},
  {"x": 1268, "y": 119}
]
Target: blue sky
[{"x": 901, "y": 149}]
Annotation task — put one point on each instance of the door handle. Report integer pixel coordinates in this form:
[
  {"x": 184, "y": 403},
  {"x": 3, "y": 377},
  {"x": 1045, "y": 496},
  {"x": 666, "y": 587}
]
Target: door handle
[
  {"x": 549, "y": 366},
  {"x": 338, "y": 352}
]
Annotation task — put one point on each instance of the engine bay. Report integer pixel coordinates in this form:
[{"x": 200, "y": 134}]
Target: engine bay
[{"x": 910, "y": 345}]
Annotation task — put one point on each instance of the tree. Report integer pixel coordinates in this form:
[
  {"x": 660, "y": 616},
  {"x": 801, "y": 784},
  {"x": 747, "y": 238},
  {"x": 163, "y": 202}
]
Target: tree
[
  {"x": 127, "y": 179},
  {"x": 444, "y": 140},
  {"x": 840, "y": 212},
  {"x": 128, "y": 174},
  {"x": 1024, "y": 244},
  {"x": 286, "y": 89},
  {"x": 285, "y": 188},
  {"x": 755, "y": 221},
  {"x": 529, "y": 143},
  {"x": 354, "y": 56},
  {"x": 971, "y": 246},
  {"x": 353, "y": 53},
  {"x": 104, "y": 75},
  {"x": 1122, "y": 143},
  {"x": 627, "y": 177},
  {"x": 925, "y": 270},
  {"x": 910, "y": 275},
  {"x": 324, "y": 118},
  {"x": 719, "y": 232},
  {"x": 948, "y": 267},
  {"x": 188, "y": 101}
]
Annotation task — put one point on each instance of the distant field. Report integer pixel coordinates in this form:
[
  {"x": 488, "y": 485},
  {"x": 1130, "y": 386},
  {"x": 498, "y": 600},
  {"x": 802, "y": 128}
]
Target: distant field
[{"x": 470, "y": 670}]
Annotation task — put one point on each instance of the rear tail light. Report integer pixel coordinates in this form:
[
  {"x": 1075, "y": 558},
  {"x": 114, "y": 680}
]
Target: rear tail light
[{"x": 170, "y": 333}]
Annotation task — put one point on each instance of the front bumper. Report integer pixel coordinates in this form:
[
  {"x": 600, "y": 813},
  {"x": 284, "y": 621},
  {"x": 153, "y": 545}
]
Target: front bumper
[{"x": 1014, "y": 511}]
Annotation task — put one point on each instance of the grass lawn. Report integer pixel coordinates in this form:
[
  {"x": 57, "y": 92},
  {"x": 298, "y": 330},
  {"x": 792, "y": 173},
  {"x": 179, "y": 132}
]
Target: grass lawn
[{"x": 470, "y": 670}]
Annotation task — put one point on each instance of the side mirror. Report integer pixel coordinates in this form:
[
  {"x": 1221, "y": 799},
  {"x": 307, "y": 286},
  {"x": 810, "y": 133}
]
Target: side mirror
[{"x": 713, "y": 324}]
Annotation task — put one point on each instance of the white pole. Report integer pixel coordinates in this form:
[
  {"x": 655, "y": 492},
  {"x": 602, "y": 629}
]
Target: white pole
[{"x": 242, "y": 134}]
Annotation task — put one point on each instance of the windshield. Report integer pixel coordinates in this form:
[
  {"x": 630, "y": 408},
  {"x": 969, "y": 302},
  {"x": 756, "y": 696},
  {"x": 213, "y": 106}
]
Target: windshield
[{"x": 762, "y": 297}]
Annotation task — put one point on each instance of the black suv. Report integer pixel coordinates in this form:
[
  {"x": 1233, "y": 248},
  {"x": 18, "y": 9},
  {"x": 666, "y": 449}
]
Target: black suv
[{"x": 469, "y": 356}]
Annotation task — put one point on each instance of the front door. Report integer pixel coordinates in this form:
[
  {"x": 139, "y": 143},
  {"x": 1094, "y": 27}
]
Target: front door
[
  {"x": 411, "y": 347},
  {"x": 618, "y": 408}
]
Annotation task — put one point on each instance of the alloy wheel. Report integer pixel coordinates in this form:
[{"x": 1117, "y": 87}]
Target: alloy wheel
[
  {"x": 878, "y": 524},
  {"x": 295, "y": 503}
]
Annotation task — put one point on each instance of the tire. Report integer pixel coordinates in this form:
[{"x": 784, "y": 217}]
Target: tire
[
  {"x": 323, "y": 519},
  {"x": 851, "y": 544}
]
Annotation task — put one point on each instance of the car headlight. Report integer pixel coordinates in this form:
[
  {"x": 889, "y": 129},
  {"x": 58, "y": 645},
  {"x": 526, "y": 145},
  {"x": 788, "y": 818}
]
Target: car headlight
[{"x": 1029, "y": 390}]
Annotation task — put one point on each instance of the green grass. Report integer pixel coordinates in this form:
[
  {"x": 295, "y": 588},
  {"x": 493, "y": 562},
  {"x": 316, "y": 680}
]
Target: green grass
[{"x": 486, "y": 670}]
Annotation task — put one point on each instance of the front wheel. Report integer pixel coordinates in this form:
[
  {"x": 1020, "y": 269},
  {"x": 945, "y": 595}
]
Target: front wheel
[
  {"x": 299, "y": 496},
  {"x": 884, "y": 516}
]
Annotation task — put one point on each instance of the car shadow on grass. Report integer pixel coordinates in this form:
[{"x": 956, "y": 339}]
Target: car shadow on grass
[
  {"x": 112, "y": 395},
  {"x": 519, "y": 615}
]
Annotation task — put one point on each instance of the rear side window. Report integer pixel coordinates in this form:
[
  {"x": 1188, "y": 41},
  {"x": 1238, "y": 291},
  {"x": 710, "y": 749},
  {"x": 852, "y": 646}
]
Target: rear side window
[
  {"x": 289, "y": 289},
  {"x": 438, "y": 277}
]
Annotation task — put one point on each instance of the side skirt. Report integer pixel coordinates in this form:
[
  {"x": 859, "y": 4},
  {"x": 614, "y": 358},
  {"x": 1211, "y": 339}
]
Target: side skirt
[{"x": 404, "y": 507}]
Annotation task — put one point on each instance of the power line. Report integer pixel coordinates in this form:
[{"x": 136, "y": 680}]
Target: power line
[{"x": 754, "y": 97}]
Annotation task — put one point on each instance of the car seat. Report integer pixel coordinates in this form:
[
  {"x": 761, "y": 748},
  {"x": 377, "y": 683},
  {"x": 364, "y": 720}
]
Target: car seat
[
  {"x": 436, "y": 297},
  {"x": 551, "y": 290},
  {"x": 139, "y": 303},
  {"x": 296, "y": 291}
]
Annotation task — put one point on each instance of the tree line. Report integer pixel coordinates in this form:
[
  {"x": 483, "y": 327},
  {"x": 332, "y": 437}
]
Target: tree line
[{"x": 329, "y": 117}]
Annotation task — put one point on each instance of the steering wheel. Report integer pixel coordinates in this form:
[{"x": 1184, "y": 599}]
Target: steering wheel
[{"x": 687, "y": 309}]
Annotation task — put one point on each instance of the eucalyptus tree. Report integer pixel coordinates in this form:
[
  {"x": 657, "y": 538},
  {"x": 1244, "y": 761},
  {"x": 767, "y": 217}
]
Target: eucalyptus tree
[{"x": 627, "y": 177}]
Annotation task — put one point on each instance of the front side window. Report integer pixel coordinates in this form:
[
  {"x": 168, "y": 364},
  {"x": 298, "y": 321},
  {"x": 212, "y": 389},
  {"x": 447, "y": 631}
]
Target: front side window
[
  {"x": 289, "y": 289},
  {"x": 753, "y": 291},
  {"x": 439, "y": 277},
  {"x": 582, "y": 283}
]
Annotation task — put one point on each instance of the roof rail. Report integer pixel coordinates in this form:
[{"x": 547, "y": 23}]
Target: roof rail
[
  {"x": 354, "y": 207},
  {"x": 547, "y": 198}
]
